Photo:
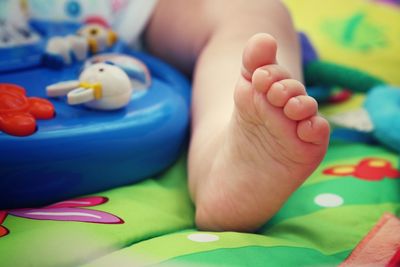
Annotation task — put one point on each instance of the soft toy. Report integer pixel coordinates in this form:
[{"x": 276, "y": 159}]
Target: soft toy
[
  {"x": 377, "y": 119},
  {"x": 383, "y": 107}
]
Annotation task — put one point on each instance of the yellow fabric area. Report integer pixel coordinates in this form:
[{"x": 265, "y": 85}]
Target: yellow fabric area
[{"x": 356, "y": 33}]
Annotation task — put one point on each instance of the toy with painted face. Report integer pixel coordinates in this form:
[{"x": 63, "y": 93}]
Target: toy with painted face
[{"x": 100, "y": 86}]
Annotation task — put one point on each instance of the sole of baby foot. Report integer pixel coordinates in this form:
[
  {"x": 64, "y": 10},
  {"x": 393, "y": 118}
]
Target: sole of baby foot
[{"x": 274, "y": 141}]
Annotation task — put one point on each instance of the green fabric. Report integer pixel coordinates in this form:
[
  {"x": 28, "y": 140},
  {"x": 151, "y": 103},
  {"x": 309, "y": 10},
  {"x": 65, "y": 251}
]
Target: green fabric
[
  {"x": 158, "y": 221},
  {"x": 321, "y": 73},
  {"x": 386, "y": 190},
  {"x": 149, "y": 209},
  {"x": 319, "y": 225},
  {"x": 253, "y": 256},
  {"x": 301, "y": 225}
]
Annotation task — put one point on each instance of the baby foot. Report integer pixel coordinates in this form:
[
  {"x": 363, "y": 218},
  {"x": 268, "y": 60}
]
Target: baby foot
[{"x": 274, "y": 141}]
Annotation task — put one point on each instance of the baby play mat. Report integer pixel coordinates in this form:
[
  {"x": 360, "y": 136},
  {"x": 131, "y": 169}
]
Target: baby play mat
[{"x": 343, "y": 214}]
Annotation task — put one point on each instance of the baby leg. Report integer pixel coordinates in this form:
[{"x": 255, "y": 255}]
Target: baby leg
[{"x": 256, "y": 135}]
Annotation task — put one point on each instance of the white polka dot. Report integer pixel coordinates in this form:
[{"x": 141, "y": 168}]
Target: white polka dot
[
  {"x": 328, "y": 200},
  {"x": 202, "y": 237}
]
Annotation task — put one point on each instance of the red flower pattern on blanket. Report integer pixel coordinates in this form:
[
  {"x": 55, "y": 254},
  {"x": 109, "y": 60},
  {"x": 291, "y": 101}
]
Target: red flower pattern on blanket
[
  {"x": 371, "y": 169},
  {"x": 3, "y": 230},
  {"x": 69, "y": 210}
]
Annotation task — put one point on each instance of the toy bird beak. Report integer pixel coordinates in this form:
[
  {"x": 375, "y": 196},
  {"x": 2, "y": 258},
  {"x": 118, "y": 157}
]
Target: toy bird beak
[
  {"x": 112, "y": 37},
  {"x": 84, "y": 93},
  {"x": 61, "y": 88},
  {"x": 101, "y": 42}
]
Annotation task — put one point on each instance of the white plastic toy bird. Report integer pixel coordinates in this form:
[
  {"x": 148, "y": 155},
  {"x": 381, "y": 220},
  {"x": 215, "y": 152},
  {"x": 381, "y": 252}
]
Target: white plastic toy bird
[
  {"x": 100, "y": 86},
  {"x": 64, "y": 50}
]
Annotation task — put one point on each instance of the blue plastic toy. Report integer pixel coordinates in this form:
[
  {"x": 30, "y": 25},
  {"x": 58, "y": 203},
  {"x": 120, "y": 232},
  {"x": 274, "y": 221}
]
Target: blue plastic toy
[
  {"x": 83, "y": 150},
  {"x": 20, "y": 46}
]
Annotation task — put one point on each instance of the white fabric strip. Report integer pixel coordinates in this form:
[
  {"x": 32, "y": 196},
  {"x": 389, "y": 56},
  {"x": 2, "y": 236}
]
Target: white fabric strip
[{"x": 130, "y": 23}]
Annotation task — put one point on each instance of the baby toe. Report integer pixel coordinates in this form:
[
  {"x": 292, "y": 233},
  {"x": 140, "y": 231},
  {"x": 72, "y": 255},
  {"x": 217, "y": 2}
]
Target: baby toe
[
  {"x": 265, "y": 76},
  {"x": 314, "y": 130},
  {"x": 280, "y": 92},
  {"x": 300, "y": 107}
]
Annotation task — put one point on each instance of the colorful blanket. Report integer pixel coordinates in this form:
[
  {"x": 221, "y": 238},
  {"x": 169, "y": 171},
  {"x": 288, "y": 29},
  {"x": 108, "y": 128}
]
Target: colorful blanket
[{"x": 339, "y": 208}]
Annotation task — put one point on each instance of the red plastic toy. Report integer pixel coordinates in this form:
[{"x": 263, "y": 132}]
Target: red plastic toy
[{"x": 18, "y": 113}]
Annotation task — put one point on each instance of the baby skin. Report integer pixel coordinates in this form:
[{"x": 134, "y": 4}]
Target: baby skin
[
  {"x": 256, "y": 135},
  {"x": 273, "y": 142}
]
